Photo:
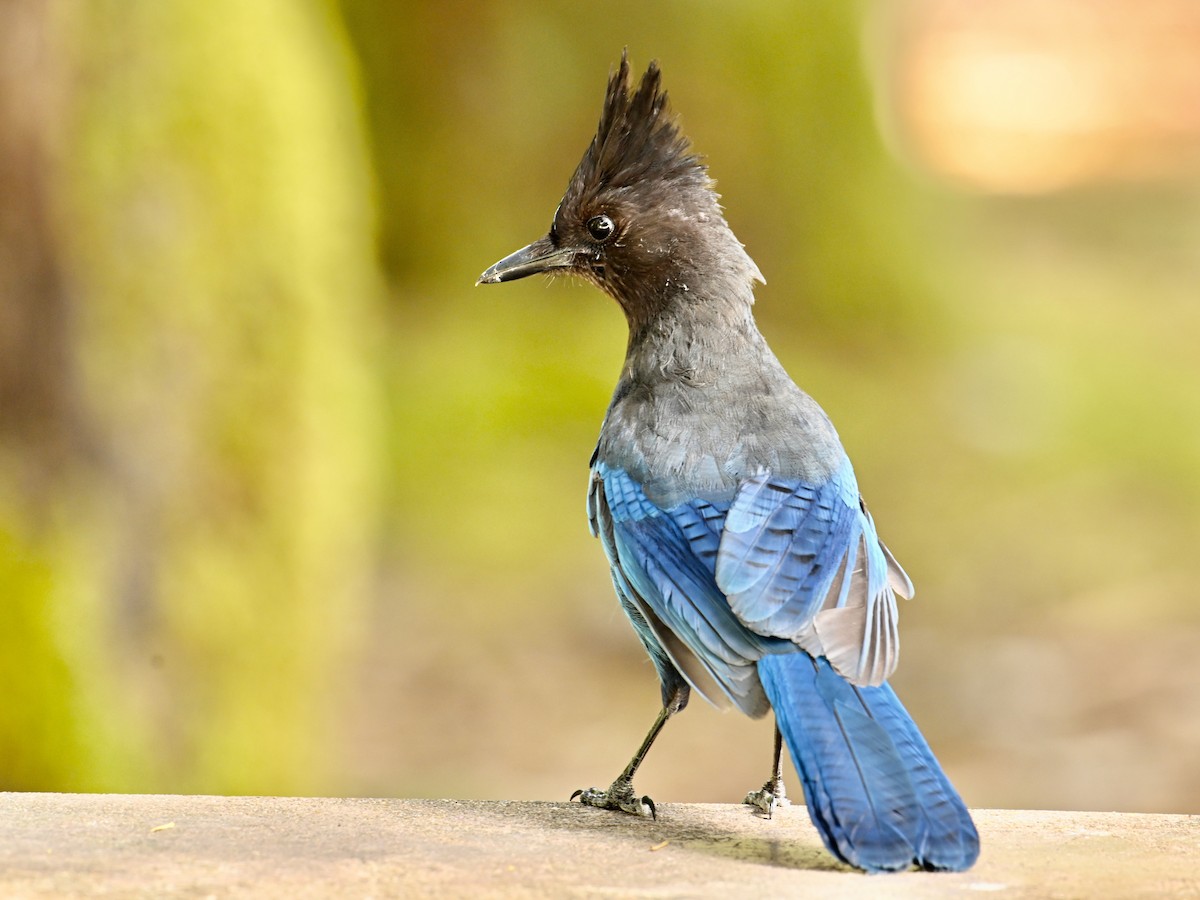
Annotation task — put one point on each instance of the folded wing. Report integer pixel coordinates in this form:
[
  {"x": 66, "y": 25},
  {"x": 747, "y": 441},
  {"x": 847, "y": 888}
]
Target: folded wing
[{"x": 803, "y": 562}]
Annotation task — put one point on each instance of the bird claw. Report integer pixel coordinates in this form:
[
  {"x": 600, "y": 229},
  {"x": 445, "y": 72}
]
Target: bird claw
[
  {"x": 619, "y": 796},
  {"x": 768, "y": 798}
]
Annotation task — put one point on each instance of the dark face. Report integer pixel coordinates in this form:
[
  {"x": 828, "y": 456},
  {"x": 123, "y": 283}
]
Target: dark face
[
  {"x": 596, "y": 234},
  {"x": 575, "y": 245},
  {"x": 639, "y": 212},
  {"x": 630, "y": 256},
  {"x": 581, "y": 241}
]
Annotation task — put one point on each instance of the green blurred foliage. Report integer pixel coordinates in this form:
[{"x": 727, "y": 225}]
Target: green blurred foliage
[
  {"x": 202, "y": 556},
  {"x": 318, "y": 526}
]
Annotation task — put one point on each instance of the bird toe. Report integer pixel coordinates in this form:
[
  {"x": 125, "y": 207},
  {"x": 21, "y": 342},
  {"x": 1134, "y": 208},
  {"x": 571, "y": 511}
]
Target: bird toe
[{"x": 619, "y": 797}]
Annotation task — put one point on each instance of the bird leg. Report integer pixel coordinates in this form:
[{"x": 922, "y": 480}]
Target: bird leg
[
  {"x": 772, "y": 793},
  {"x": 620, "y": 794}
]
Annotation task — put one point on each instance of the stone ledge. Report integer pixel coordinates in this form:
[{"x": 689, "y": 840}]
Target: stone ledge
[{"x": 66, "y": 845}]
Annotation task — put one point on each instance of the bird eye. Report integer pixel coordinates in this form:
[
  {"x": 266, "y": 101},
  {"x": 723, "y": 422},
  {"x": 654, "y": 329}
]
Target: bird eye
[{"x": 601, "y": 228}]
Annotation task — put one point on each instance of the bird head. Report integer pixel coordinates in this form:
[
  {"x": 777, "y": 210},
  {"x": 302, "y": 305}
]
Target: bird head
[{"x": 640, "y": 218}]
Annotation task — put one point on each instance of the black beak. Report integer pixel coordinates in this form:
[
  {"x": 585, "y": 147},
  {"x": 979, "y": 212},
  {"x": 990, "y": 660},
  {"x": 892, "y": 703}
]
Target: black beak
[{"x": 539, "y": 256}]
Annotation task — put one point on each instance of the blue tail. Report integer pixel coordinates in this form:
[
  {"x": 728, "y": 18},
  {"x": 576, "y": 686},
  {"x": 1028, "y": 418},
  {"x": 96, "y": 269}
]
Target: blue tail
[{"x": 874, "y": 790}]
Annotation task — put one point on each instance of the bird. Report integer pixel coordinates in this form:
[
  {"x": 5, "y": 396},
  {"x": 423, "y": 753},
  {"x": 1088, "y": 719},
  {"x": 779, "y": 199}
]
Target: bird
[{"x": 738, "y": 543}]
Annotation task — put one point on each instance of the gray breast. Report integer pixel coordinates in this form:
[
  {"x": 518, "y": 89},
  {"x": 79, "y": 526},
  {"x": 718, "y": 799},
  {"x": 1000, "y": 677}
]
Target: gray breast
[{"x": 683, "y": 440}]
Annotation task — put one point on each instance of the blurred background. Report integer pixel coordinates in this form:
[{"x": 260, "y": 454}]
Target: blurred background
[{"x": 288, "y": 506}]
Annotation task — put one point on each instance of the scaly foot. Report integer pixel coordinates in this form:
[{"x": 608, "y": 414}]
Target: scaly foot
[
  {"x": 619, "y": 796},
  {"x": 770, "y": 796}
]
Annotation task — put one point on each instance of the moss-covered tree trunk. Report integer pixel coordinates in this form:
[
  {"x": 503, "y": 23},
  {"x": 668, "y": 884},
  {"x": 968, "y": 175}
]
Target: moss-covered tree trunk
[{"x": 200, "y": 546}]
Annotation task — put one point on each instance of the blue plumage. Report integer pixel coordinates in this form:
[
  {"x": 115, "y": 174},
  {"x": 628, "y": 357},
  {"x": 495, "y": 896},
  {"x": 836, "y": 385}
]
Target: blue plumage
[
  {"x": 662, "y": 563},
  {"x": 874, "y": 789},
  {"x": 782, "y": 541},
  {"x": 738, "y": 542}
]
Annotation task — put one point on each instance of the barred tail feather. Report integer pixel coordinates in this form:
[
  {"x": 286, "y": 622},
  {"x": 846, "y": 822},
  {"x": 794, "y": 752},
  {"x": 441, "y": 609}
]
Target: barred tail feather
[{"x": 874, "y": 789}]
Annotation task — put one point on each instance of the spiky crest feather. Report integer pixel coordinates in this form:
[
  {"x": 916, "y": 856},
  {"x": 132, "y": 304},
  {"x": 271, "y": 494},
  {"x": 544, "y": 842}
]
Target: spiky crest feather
[{"x": 637, "y": 140}]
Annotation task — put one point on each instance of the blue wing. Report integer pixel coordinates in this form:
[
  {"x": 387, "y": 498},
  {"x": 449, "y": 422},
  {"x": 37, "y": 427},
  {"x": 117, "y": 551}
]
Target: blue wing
[
  {"x": 714, "y": 583},
  {"x": 803, "y": 562},
  {"x": 662, "y": 564}
]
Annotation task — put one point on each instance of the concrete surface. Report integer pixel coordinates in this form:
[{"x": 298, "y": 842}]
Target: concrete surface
[{"x": 67, "y": 845}]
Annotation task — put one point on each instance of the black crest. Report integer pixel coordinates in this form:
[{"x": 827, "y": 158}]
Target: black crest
[{"x": 637, "y": 141}]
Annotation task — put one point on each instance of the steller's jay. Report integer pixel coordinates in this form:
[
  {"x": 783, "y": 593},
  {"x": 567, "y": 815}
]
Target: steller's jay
[{"x": 739, "y": 545}]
